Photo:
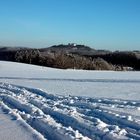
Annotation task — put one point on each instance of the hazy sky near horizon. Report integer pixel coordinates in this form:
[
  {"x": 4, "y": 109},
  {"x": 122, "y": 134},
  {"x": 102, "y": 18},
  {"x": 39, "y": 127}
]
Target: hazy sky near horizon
[{"x": 102, "y": 24}]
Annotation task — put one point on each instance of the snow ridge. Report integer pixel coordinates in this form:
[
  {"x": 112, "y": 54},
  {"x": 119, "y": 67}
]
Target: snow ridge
[{"x": 70, "y": 117}]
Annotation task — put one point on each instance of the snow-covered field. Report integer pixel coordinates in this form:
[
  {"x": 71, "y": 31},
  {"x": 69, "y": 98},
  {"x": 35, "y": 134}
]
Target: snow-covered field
[{"x": 45, "y": 103}]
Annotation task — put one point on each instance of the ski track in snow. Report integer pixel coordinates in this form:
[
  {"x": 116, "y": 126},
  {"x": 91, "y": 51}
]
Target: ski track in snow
[{"x": 56, "y": 117}]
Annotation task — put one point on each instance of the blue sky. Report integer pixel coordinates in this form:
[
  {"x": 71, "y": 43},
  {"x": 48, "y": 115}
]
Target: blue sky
[{"x": 102, "y": 24}]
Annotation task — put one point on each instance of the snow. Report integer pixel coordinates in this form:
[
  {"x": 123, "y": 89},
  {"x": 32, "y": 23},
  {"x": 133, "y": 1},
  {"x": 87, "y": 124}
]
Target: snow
[
  {"x": 46, "y": 103},
  {"x": 73, "y": 82},
  {"x": 12, "y": 127},
  {"x": 8, "y": 128}
]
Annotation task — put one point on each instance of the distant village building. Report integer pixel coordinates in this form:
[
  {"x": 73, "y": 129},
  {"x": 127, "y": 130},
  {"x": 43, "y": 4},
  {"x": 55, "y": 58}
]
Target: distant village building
[{"x": 72, "y": 44}]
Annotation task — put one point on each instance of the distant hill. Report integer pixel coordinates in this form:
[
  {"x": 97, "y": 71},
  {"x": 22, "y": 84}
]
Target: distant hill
[
  {"x": 70, "y": 48},
  {"x": 73, "y": 56},
  {"x": 5, "y": 49},
  {"x": 74, "y": 49}
]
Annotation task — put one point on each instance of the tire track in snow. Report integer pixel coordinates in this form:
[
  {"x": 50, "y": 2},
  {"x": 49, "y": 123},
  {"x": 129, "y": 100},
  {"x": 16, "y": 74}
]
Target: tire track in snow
[
  {"x": 14, "y": 103},
  {"x": 37, "y": 108},
  {"x": 76, "y": 80},
  {"x": 95, "y": 111},
  {"x": 116, "y": 120},
  {"x": 44, "y": 124}
]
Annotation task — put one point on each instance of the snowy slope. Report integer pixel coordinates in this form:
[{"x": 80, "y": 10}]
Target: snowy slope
[
  {"x": 73, "y": 82},
  {"x": 82, "y": 104}
]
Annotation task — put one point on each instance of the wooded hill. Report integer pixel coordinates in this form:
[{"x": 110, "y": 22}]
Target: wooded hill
[{"x": 73, "y": 56}]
